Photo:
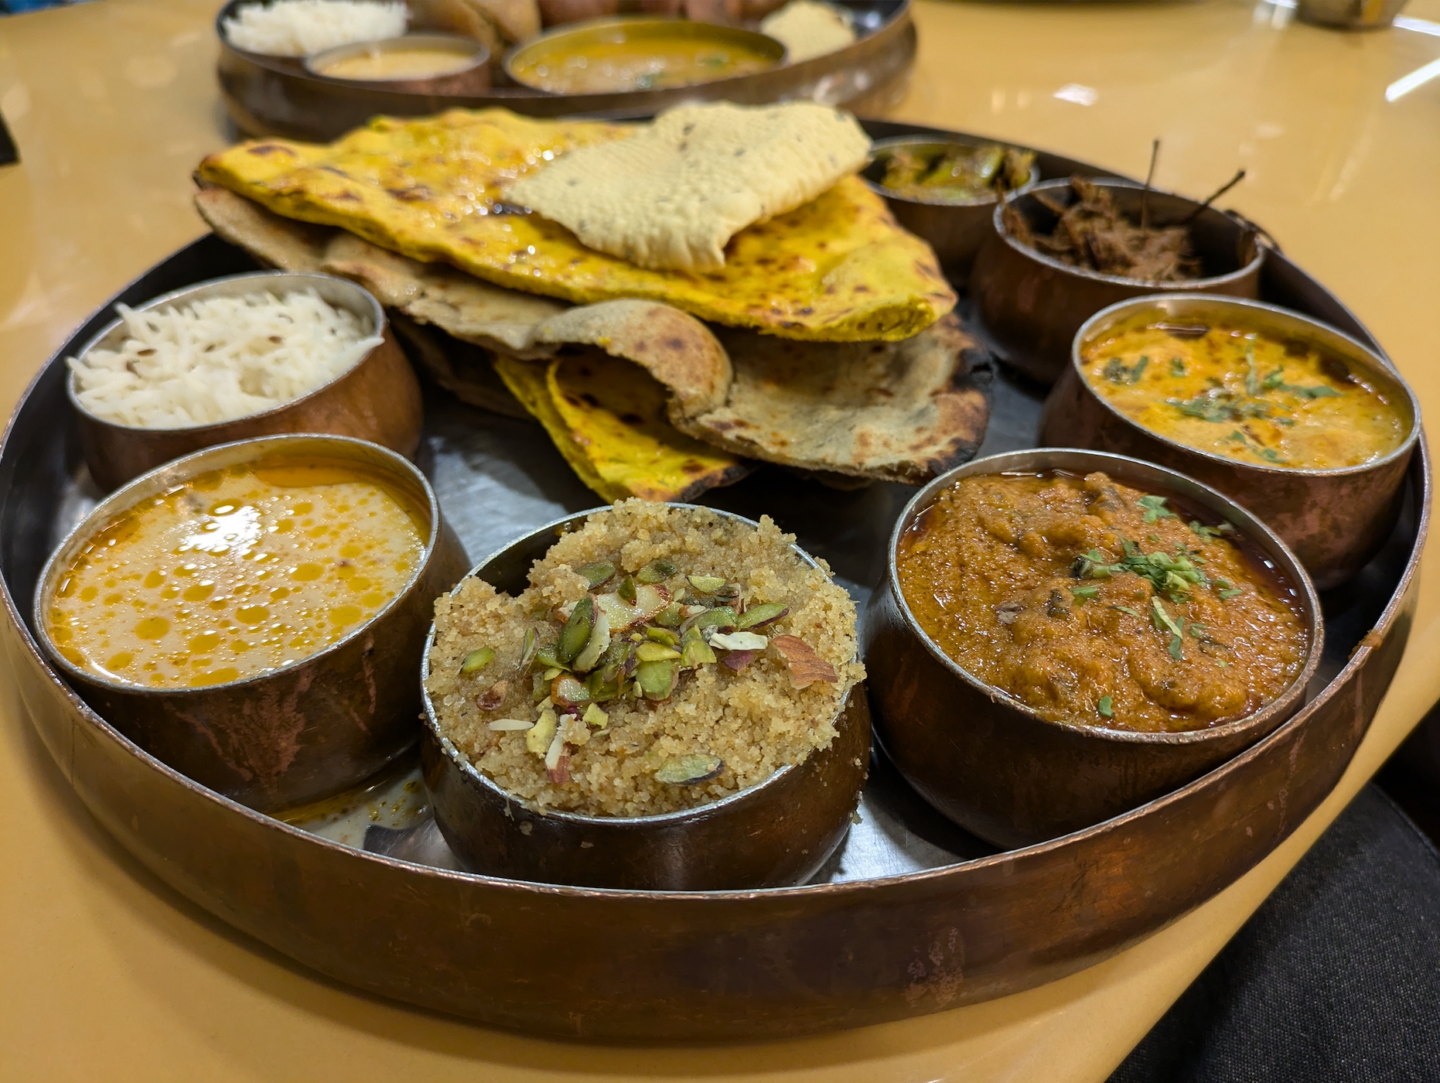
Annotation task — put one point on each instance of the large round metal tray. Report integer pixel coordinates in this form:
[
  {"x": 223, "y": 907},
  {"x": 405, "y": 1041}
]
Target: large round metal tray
[
  {"x": 268, "y": 95},
  {"x": 910, "y": 916}
]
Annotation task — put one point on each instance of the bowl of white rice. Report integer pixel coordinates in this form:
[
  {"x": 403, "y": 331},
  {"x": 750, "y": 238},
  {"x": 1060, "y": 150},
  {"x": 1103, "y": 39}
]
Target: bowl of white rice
[
  {"x": 239, "y": 357},
  {"x": 301, "y": 28}
]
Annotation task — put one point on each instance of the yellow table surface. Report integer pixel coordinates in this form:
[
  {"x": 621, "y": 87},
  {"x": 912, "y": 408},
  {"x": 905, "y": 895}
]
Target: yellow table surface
[{"x": 106, "y": 974}]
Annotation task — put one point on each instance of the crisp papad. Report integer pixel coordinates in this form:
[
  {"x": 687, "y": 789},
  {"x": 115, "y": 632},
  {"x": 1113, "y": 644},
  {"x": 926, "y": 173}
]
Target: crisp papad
[
  {"x": 837, "y": 269},
  {"x": 894, "y": 411}
]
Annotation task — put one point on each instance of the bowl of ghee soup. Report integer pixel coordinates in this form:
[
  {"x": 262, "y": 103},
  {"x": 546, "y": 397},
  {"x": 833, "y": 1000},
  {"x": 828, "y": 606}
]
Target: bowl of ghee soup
[
  {"x": 1303, "y": 425},
  {"x": 252, "y": 615}
]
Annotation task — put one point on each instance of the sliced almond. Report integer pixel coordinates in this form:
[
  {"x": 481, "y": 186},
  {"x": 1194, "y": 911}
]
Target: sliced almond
[{"x": 806, "y": 667}]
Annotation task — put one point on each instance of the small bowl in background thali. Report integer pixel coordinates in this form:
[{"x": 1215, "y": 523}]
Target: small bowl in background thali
[
  {"x": 954, "y": 229},
  {"x": 413, "y": 64},
  {"x": 1031, "y": 305},
  {"x": 377, "y": 399},
  {"x": 308, "y": 729},
  {"x": 1335, "y": 520},
  {"x": 550, "y": 62},
  {"x": 774, "y": 834},
  {"x": 990, "y": 762}
]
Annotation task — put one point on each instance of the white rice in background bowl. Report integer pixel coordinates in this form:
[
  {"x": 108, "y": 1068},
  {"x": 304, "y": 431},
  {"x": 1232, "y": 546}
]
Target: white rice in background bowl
[
  {"x": 306, "y": 27},
  {"x": 216, "y": 359}
]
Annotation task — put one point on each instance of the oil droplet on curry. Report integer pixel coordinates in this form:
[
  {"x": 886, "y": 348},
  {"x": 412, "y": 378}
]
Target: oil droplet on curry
[
  {"x": 1098, "y": 604},
  {"x": 1246, "y": 395},
  {"x": 236, "y": 572}
]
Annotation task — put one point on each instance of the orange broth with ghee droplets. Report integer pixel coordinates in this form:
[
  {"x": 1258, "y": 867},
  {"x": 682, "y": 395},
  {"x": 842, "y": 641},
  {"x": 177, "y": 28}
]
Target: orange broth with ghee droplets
[
  {"x": 237, "y": 572},
  {"x": 1095, "y": 603}
]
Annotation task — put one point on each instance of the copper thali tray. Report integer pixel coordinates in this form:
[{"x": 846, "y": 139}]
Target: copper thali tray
[
  {"x": 910, "y": 916},
  {"x": 276, "y": 96}
]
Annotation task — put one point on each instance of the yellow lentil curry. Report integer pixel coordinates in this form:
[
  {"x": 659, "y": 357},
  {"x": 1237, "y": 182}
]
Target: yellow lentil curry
[
  {"x": 236, "y": 572},
  {"x": 650, "y": 62},
  {"x": 411, "y": 62},
  {"x": 1094, "y": 603},
  {"x": 1245, "y": 394}
]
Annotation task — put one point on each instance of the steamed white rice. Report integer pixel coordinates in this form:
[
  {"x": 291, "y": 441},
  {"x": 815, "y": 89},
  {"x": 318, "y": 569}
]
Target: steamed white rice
[
  {"x": 305, "y": 27},
  {"x": 219, "y": 358}
]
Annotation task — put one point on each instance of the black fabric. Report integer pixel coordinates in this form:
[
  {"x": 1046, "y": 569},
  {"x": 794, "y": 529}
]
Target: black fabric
[
  {"x": 1335, "y": 977},
  {"x": 9, "y": 153}
]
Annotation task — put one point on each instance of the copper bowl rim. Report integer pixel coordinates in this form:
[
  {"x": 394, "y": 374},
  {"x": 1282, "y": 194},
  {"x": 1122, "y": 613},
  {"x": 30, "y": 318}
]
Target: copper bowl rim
[
  {"x": 123, "y": 498},
  {"x": 1189, "y": 285},
  {"x": 564, "y": 525},
  {"x": 1260, "y": 312},
  {"x": 879, "y": 146},
  {"x": 1032, "y": 460},
  {"x": 367, "y": 299},
  {"x": 649, "y": 22},
  {"x": 478, "y": 55}
]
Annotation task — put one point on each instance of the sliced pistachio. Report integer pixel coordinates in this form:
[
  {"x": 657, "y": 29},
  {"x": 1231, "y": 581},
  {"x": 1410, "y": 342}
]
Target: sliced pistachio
[
  {"x": 657, "y": 571},
  {"x": 477, "y": 660},
  {"x": 602, "y": 688},
  {"x": 721, "y": 619},
  {"x": 576, "y": 632},
  {"x": 671, "y": 615},
  {"x": 688, "y": 611},
  {"x": 594, "y": 716},
  {"x": 597, "y": 574},
  {"x": 509, "y": 725},
  {"x": 728, "y": 594},
  {"x": 657, "y": 679},
  {"x": 688, "y": 770},
  {"x": 539, "y": 736},
  {"x": 626, "y": 589},
  {"x": 760, "y": 615},
  {"x": 662, "y": 635},
  {"x": 736, "y": 661},
  {"x": 527, "y": 652},
  {"x": 696, "y": 653},
  {"x": 551, "y": 673},
  {"x": 655, "y": 652},
  {"x": 539, "y": 687},
  {"x": 549, "y": 657},
  {"x": 599, "y": 643},
  {"x": 706, "y": 584},
  {"x": 739, "y": 641},
  {"x": 569, "y": 693}
]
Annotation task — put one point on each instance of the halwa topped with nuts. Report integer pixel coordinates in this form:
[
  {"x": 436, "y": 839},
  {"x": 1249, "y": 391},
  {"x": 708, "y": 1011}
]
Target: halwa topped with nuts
[
  {"x": 661, "y": 658},
  {"x": 1098, "y": 604}
]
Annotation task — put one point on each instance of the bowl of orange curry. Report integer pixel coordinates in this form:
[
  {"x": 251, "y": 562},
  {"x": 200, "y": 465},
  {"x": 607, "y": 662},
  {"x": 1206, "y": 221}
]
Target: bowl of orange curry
[
  {"x": 1282, "y": 413},
  {"x": 1063, "y": 635}
]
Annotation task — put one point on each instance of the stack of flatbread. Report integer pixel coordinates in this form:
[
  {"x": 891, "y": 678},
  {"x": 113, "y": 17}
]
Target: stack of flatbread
[{"x": 671, "y": 300}]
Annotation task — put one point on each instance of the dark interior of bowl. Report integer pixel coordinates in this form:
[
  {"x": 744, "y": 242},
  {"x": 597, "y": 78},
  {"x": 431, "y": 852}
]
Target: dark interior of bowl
[{"x": 1223, "y": 244}]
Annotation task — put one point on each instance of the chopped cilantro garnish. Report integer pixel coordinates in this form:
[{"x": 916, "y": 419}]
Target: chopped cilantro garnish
[
  {"x": 1177, "y": 367},
  {"x": 1208, "y": 532},
  {"x": 1080, "y": 594},
  {"x": 1155, "y": 508},
  {"x": 1127, "y": 609},
  {"x": 1139, "y": 368},
  {"x": 1230, "y": 592},
  {"x": 1106, "y": 707}
]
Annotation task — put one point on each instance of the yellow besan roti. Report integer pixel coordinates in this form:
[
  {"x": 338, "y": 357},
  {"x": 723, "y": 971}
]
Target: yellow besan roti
[
  {"x": 672, "y": 195},
  {"x": 837, "y": 269}
]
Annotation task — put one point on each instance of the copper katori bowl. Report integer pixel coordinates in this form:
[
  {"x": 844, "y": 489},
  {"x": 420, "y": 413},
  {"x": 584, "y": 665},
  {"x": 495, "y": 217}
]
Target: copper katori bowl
[
  {"x": 955, "y": 230},
  {"x": 991, "y": 763},
  {"x": 377, "y": 399},
  {"x": 1334, "y": 520},
  {"x": 1031, "y": 305},
  {"x": 306, "y": 730},
  {"x": 774, "y": 834}
]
